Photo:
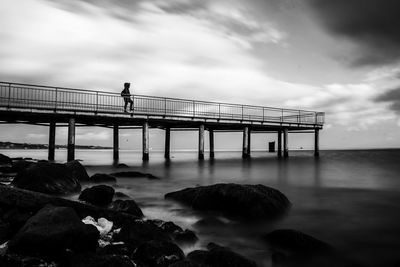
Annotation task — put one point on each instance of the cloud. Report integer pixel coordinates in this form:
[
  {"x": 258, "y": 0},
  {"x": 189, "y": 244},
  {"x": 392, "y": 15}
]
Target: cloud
[
  {"x": 373, "y": 25},
  {"x": 392, "y": 97}
]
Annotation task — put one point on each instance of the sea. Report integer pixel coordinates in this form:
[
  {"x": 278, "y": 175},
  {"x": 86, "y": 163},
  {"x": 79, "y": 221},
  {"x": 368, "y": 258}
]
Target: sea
[{"x": 347, "y": 198}]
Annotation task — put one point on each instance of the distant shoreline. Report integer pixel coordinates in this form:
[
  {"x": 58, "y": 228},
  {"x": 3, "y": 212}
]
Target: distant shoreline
[{"x": 12, "y": 145}]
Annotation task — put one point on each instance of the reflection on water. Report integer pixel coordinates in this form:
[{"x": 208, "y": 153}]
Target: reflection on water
[{"x": 350, "y": 199}]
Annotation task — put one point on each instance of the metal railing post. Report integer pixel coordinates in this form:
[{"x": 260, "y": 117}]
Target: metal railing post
[
  {"x": 298, "y": 119},
  {"x": 9, "y": 96},
  {"x": 194, "y": 108},
  {"x": 219, "y": 110},
  {"x": 282, "y": 115},
  {"x": 55, "y": 102},
  {"x": 263, "y": 113},
  {"x": 242, "y": 112},
  {"x": 97, "y": 102},
  {"x": 165, "y": 106}
]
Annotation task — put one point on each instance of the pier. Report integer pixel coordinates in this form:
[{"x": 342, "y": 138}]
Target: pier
[{"x": 54, "y": 107}]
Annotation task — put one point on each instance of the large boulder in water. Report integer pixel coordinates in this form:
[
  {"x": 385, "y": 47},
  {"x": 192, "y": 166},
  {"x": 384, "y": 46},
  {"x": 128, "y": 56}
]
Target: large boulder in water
[
  {"x": 99, "y": 195},
  {"x": 78, "y": 171},
  {"x": 246, "y": 201},
  {"x": 51, "y": 231},
  {"x": 48, "y": 178},
  {"x": 219, "y": 256}
]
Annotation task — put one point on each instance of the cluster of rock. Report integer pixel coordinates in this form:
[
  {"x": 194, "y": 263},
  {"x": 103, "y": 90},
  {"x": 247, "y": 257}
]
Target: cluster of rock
[{"x": 107, "y": 228}]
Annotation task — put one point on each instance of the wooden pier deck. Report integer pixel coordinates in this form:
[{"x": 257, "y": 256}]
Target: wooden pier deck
[{"x": 57, "y": 106}]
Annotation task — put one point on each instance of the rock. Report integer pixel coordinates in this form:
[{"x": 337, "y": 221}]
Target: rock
[
  {"x": 16, "y": 218},
  {"x": 209, "y": 222},
  {"x": 295, "y": 242},
  {"x": 245, "y": 201},
  {"x": 103, "y": 225},
  {"x": 186, "y": 263},
  {"x": 117, "y": 248},
  {"x": 96, "y": 260},
  {"x": 120, "y": 195},
  {"x": 4, "y": 159},
  {"x": 168, "y": 227},
  {"x": 185, "y": 237},
  {"x": 6, "y": 169},
  {"x": 21, "y": 164},
  {"x": 5, "y": 231},
  {"x": 78, "y": 171},
  {"x": 102, "y": 178},
  {"x": 12, "y": 260},
  {"x": 132, "y": 174},
  {"x": 51, "y": 231},
  {"x": 127, "y": 206},
  {"x": 157, "y": 254},
  {"x": 122, "y": 165},
  {"x": 139, "y": 232},
  {"x": 99, "y": 195},
  {"x": 48, "y": 178},
  {"x": 219, "y": 256}
]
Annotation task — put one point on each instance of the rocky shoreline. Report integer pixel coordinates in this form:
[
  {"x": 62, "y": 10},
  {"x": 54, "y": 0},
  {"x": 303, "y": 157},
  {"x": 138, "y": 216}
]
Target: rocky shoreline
[{"x": 40, "y": 227}]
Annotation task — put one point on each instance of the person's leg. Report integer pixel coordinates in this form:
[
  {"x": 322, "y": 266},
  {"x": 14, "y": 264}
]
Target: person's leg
[
  {"x": 126, "y": 104},
  {"x": 131, "y": 102}
]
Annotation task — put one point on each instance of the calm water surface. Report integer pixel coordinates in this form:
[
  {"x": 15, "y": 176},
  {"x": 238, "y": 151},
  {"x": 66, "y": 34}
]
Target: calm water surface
[{"x": 350, "y": 199}]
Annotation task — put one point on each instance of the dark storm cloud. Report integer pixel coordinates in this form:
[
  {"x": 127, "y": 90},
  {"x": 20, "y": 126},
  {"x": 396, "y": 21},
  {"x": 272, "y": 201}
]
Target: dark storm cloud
[
  {"x": 374, "y": 25},
  {"x": 392, "y": 97}
]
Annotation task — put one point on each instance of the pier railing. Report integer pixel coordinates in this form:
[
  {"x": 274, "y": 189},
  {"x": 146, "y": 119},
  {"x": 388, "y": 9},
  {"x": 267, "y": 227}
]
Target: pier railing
[{"x": 38, "y": 97}]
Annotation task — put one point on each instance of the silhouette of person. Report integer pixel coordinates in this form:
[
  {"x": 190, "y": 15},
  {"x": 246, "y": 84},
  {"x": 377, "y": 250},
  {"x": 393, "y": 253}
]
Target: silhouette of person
[{"x": 126, "y": 95}]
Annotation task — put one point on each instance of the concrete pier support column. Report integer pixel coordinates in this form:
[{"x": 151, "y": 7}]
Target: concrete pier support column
[
  {"x": 285, "y": 143},
  {"x": 71, "y": 140},
  {"x": 116, "y": 142},
  {"x": 246, "y": 144},
  {"x": 52, "y": 140},
  {"x": 279, "y": 144},
  {"x": 249, "y": 144},
  {"x": 145, "y": 141},
  {"x": 167, "y": 143},
  {"x": 316, "y": 143},
  {"x": 211, "y": 133},
  {"x": 201, "y": 141}
]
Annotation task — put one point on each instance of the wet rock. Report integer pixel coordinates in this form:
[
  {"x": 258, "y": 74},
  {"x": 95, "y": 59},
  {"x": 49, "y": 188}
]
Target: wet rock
[
  {"x": 102, "y": 178},
  {"x": 295, "y": 242},
  {"x": 99, "y": 195},
  {"x": 120, "y": 195},
  {"x": 5, "y": 231},
  {"x": 78, "y": 171},
  {"x": 128, "y": 206},
  {"x": 245, "y": 201},
  {"x": 48, "y": 178},
  {"x": 219, "y": 256},
  {"x": 103, "y": 225},
  {"x": 51, "y": 231},
  {"x": 132, "y": 174},
  {"x": 168, "y": 227},
  {"x": 117, "y": 248},
  {"x": 157, "y": 254},
  {"x": 4, "y": 159},
  {"x": 139, "y": 232},
  {"x": 21, "y": 164},
  {"x": 16, "y": 218},
  {"x": 185, "y": 237},
  {"x": 186, "y": 263},
  {"x": 6, "y": 169},
  {"x": 12, "y": 260},
  {"x": 294, "y": 248},
  {"x": 209, "y": 222},
  {"x": 122, "y": 165},
  {"x": 98, "y": 260}
]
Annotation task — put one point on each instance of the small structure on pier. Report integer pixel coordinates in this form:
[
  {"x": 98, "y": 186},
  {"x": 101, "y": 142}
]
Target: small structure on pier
[{"x": 56, "y": 106}]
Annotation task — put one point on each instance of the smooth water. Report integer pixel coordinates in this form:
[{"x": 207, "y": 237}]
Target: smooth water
[{"x": 350, "y": 199}]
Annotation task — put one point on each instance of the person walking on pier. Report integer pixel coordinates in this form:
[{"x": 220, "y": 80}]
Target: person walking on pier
[{"x": 126, "y": 94}]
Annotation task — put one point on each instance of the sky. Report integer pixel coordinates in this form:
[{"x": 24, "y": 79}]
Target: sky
[{"x": 341, "y": 57}]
